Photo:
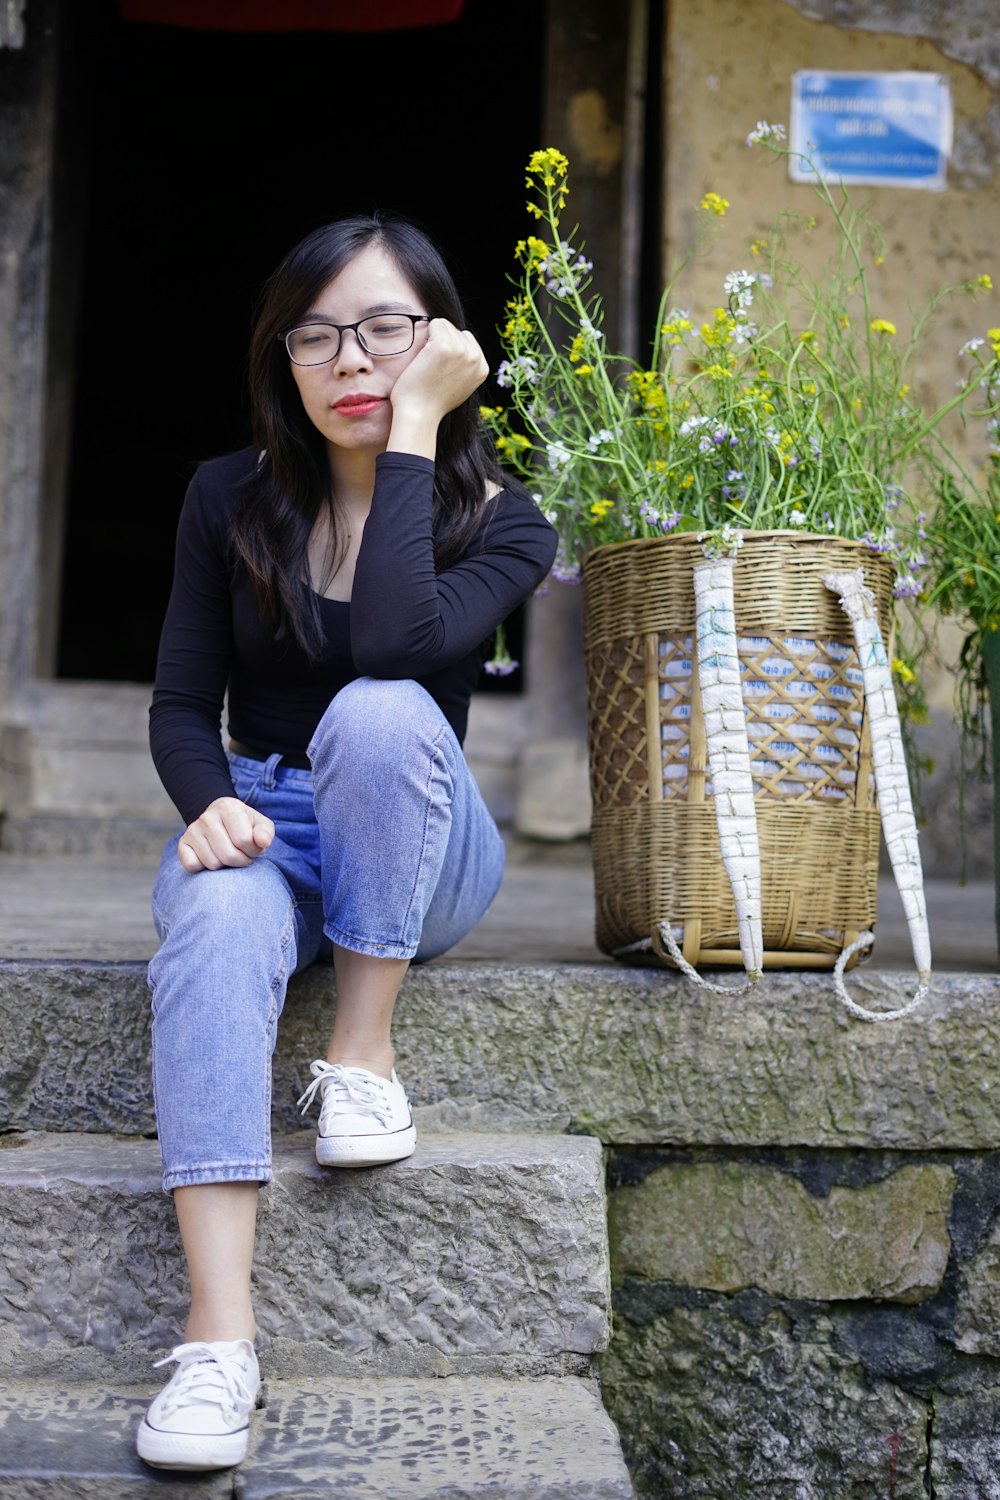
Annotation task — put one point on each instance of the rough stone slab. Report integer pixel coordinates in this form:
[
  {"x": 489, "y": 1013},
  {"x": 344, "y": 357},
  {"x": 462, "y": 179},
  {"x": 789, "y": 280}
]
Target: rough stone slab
[
  {"x": 727, "y": 1226},
  {"x": 476, "y": 1252},
  {"x": 407, "y": 1440},
  {"x": 965, "y": 1448},
  {"x": 363, "y": 1439},
  {"x": 977, "y": 1309},
  {"x": 735, "y": 1398},
  {"x": 77, "y": 1442},
  {"x": 630, "y": 1055}
]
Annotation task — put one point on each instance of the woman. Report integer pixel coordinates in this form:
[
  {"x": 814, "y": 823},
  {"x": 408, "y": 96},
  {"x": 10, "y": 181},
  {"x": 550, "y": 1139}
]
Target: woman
[{"x": 341, "y": 582}]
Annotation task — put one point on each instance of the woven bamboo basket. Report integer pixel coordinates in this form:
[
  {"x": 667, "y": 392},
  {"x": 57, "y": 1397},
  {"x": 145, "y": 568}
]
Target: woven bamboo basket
[{"x": 655, "y": 841}]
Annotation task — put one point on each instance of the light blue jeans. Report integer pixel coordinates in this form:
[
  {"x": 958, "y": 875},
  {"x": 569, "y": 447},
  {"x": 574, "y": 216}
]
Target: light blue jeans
[{"x": 385, "y": 847}]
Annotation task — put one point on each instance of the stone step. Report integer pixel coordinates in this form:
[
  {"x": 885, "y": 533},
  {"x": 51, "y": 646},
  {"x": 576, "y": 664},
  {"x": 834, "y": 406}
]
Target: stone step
[
  {"x": 357, "y": 1438},
  {"x": 479, "y": 1254},
  {"x": 631, "y": 1056}
]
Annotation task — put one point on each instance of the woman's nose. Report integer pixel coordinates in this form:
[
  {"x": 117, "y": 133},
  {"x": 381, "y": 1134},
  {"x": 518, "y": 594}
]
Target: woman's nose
[{"x": 352, "y": 354}]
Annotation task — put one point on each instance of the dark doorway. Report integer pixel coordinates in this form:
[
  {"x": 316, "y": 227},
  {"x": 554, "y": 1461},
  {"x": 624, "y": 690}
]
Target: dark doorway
[{"x": 207, "y": 156}]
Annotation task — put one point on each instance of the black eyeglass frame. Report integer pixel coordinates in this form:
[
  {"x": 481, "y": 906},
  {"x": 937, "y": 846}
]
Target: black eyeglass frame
[{"x": 343, "y": 328}]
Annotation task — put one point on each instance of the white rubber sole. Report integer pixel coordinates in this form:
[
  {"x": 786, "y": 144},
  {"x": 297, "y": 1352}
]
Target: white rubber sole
[
  {"x": 190, "y": 1450},
  {"x": 365, "y": 1150}
]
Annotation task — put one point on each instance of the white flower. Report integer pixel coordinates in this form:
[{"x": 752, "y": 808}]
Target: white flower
[
  {"x": 971, "y": 345},
  {"x": 724, "y": 543},
  {"x": 524, "y": 364},
  {"x": 692, "y": 424},
  {"x": 597, "y": 439},
  {"x": 558, "y": 456},
  {"x": 796, "y": 518},
  {"x": 587, "y": 327},
  {"x": 766, "y": 132},
  {"x": 739, "y": 287}
]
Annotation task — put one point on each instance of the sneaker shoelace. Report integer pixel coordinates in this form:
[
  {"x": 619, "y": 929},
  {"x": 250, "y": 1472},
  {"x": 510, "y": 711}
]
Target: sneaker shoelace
[
  {"x": 203, "y": 1377},
  {"x": 348, "y": 1091}
]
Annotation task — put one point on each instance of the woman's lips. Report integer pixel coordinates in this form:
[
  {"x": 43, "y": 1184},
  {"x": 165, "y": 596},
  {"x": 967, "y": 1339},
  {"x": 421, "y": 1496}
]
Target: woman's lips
[{"x": 358, "y": 406}]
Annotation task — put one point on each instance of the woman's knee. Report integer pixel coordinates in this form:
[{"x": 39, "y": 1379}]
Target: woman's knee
[
  {"x": 378, "y": 718},
  {"x": 246, "y": 910}
]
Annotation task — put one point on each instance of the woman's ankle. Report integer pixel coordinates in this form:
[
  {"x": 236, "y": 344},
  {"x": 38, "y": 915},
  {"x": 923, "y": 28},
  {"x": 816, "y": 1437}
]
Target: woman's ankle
[
  {"x": 219, "y": 1327},
  {"x": 377, "y": 1060}
]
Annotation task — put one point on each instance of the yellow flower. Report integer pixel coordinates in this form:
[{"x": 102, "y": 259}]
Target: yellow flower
[
  {"x": 513, "y": 443},
  {"x": 674, "y": 331},
  {"x": 757, "y": 246},
  {"x": 532, "y": 251},
  {"x": 985, "y": 281},
  {"x": 993, "y": 334},
  {"x": 903, "y": 392},
  {"x": 713, "y": 204},
  {"x": 548, "y": 164},
  {"x": 716, "y": 335},
  {"x": 584, "y": 370},
  {"x": 687, "y": 482},
  {"x": 882, "y": 325},
  {"x": 600, "y": 508},
  {"x": 519, "y": 320},
  {"x": 718, "y": 372},
  {"x": 902, "y": 671},
  {"x": 880, "y": 260}
]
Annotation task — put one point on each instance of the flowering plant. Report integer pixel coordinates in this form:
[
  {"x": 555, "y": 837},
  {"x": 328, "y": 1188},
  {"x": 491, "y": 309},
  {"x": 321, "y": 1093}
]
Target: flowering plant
[
  {"x": 789, "y": 405},
  {"x": 963, "y": 548}
]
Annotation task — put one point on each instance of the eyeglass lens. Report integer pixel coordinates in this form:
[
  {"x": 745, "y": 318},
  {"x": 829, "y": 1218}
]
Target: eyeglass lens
[{"x": 317, "y": 343}]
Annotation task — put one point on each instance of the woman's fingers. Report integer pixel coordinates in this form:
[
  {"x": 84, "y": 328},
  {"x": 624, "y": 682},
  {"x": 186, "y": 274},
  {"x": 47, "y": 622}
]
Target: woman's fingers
[
  {"x": 229, "y": 834},
  {"x": 447, "y": 370}
]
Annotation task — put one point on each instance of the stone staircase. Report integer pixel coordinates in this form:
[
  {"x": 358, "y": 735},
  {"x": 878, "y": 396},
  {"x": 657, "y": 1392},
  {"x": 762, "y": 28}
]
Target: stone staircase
[{"x": 427, "y": 1329}]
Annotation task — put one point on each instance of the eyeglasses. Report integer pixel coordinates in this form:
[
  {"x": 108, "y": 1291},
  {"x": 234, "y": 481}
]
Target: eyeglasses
[{"x": 385, "y": 333}]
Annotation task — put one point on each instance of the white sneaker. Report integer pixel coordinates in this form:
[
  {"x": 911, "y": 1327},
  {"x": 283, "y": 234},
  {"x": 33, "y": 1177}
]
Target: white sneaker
[
  {"x": 201, "y": 1418},
  {"x": 364, "y": 1120}
]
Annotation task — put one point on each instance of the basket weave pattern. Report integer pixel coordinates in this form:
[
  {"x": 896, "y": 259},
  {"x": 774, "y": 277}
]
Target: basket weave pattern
[{"x": 654, "y": 835}]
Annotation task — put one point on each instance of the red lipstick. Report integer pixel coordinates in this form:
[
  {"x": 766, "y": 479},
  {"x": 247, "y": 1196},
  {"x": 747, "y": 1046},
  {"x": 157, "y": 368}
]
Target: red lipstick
[{"x": 358, "y": 404}]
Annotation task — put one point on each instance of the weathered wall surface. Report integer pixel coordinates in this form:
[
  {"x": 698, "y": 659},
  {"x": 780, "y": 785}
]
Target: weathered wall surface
[{"x": 728, "y": 65}]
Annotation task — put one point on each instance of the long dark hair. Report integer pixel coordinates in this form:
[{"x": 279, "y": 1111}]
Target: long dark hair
[{"x": 284, "y": 497}]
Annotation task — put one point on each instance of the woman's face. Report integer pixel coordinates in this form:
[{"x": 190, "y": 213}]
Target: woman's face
[{"x": 347, "y": 399}]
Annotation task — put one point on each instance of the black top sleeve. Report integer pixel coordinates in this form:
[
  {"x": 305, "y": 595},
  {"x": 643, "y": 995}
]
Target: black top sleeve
[{"x": 404, "y": 620}]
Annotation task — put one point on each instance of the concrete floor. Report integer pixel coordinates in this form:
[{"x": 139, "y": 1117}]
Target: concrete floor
[{"x": 79, "y": 908}]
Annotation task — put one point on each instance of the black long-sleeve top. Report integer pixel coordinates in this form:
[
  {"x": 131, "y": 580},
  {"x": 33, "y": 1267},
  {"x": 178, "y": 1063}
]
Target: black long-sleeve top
[{"x": 404, "y": 620}]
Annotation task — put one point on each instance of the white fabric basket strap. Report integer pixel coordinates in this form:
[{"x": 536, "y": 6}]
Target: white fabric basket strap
[{"x": 893, "y": 787}]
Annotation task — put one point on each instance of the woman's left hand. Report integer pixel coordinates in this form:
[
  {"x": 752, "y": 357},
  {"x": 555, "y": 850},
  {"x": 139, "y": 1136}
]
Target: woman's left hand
[{"x": 445, "y": 372}]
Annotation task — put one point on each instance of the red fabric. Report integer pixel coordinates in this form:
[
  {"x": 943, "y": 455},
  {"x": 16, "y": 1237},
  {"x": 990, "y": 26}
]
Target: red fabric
[{"x": 292, "y": 15}]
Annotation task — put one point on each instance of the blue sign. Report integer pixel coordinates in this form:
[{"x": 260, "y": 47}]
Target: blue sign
[{"x": 889, "y": 129}]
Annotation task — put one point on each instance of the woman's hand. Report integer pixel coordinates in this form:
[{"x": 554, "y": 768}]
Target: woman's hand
[
  {"x": 445, "y": 372},
  {"x": 228, "y": 834}
]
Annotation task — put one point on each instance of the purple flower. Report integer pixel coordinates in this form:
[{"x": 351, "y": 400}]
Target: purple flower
[{"x": 501, "y": 666}]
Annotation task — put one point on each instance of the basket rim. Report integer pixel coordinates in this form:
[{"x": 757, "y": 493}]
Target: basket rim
[{"x": 606, "y": 549}]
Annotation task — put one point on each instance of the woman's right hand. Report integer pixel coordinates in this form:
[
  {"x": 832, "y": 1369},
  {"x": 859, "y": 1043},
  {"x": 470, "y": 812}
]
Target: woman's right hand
[{"x": 229, "y": 834}]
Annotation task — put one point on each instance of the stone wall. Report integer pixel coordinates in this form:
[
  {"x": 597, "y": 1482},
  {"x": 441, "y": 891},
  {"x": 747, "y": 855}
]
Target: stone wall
[{"x": 806, "y": 1323}]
